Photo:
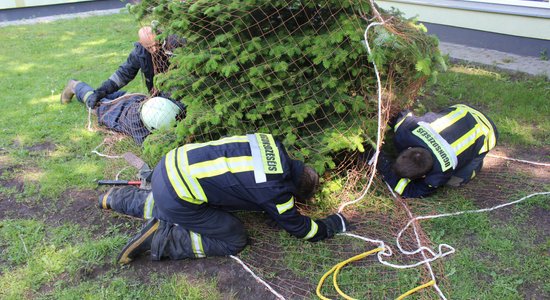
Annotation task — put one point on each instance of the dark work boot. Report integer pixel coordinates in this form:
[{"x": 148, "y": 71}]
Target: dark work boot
[
  {"x": 140, "y": 243},
  {"x": 105, "y": 200},
  {"x": 68, "y": 91}
]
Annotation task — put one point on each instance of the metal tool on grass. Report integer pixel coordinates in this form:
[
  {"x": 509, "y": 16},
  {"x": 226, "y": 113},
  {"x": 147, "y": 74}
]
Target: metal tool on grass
[{"x": 119, "y": 182}]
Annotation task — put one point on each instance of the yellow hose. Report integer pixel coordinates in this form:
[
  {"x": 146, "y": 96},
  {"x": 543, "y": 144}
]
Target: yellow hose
[
  {"x": 416, "y": 289},
  {"x": 336, "y": 269}
]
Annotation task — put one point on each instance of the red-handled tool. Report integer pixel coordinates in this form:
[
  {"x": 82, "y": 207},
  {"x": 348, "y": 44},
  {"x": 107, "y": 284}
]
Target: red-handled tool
[{"x": 118, "y": 182}]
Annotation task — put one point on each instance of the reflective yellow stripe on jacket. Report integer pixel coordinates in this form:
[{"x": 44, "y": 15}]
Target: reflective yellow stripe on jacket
[
  {"x": 443, "y": 149},
  {"x": 282, "y": 208},
  {"x": 196, "y": 244},
  {"x": 227, "y": 140},
  {"x": 187, "y": 187},
  {"x": 467, "y": 140},
  {"x": 442, "y": 123},
  {"x": 312, "y": 231},
  {"x": 401, "y": 121},
  {"x": 485, "y": 126},
  {"x": 148, "y": 206},
  {"x": 221, "y": 165},
  {"x": 184, "y": 176},
  {"x": 193, "y": 183},
  {"x": 401, "y": 185},
  {"x": 175, "y": 177}
]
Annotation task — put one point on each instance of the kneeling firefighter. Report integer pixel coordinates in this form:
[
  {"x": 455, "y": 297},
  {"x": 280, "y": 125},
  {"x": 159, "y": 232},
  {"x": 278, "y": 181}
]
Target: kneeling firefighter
[
  {"x": 437, "y": 149},
  {"x": 194, "y": 187}
]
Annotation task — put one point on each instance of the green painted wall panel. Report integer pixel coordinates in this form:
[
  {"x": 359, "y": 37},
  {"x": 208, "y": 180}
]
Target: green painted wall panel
[{"x": 524, "y": 26}]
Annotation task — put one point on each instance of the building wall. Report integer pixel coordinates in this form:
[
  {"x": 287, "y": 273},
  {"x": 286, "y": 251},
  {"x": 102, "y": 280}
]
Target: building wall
[
  {"x": 531, "y": 20},
  {"x": 6, "y": 4}
]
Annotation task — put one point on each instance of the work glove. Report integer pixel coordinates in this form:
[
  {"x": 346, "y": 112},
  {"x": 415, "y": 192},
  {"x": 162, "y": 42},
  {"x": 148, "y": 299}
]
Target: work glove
[
  {"x": 384, "y": 163},
  {"x": 334, "y": 224},
  {"x": 107, "y": 87},
  {"x": 92, "y": 100},
  {"x": 145, "y": 175}
]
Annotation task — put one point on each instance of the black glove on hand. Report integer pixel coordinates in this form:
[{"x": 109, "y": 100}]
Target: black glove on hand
[
  {"x": 92, "y": 100},
  {"x": 106, "y": 88},
  {"x": 334, "y": 223},
  {"x": 384, "y": 163}
]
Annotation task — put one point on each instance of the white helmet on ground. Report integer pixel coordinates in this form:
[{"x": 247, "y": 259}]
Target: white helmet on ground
[{"x": 158, "y": 112}]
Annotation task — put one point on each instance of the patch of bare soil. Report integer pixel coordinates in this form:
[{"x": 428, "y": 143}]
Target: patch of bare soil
[
  {"x": 501, "y": 180},
  {"x": 540, "y": 219},
  {"x": 232, "y": 280},
  {"x": 80, "y": 207},
  {"x": 47, "y": 146},
  {"x": 533, "y": 292},
  {"x": 267, "y": 259},
  {"x": 9, "y": 207}
]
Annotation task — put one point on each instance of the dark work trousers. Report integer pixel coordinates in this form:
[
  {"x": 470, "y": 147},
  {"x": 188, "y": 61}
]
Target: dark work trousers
[
  {"x": 82, "y": 90},
  {"x": 467, "y": 173},
  {"x": 189, "y": 230},
  {"x": 131, "y": 200},
  {"x": 202, "y": 230}
]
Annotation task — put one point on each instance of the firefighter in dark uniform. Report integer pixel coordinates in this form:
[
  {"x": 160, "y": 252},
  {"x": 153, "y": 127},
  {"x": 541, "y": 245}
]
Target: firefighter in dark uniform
[
  {"x": 149, "y": 56},
  {"x": 436, "y": 149},
  {"x": 120, "y": 111},
  {"x": 130, "y": 113},
  {"x": 194, "y": 187}
]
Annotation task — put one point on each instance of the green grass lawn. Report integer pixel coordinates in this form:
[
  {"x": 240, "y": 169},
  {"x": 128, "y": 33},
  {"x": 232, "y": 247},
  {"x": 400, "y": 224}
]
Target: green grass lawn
[
  {"x": 45, "y": 151},
  {"x": 37, "y": 61}
]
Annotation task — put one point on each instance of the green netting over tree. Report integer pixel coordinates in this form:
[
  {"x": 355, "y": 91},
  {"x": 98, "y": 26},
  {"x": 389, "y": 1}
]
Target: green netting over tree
[{"x": 297, "y": 69}]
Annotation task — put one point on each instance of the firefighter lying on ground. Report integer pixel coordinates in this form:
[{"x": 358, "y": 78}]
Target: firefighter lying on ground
[
  {"x": 437, "y": 149},
  {"x": 195, "y": 186},
  {"x": 133, "y": 114}
]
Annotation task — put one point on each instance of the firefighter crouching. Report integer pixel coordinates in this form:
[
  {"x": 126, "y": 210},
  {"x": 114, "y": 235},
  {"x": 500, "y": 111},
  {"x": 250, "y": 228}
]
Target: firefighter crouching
[
  {"x": 194, "y": 187},
  {"x": 437, "y": 149}
]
